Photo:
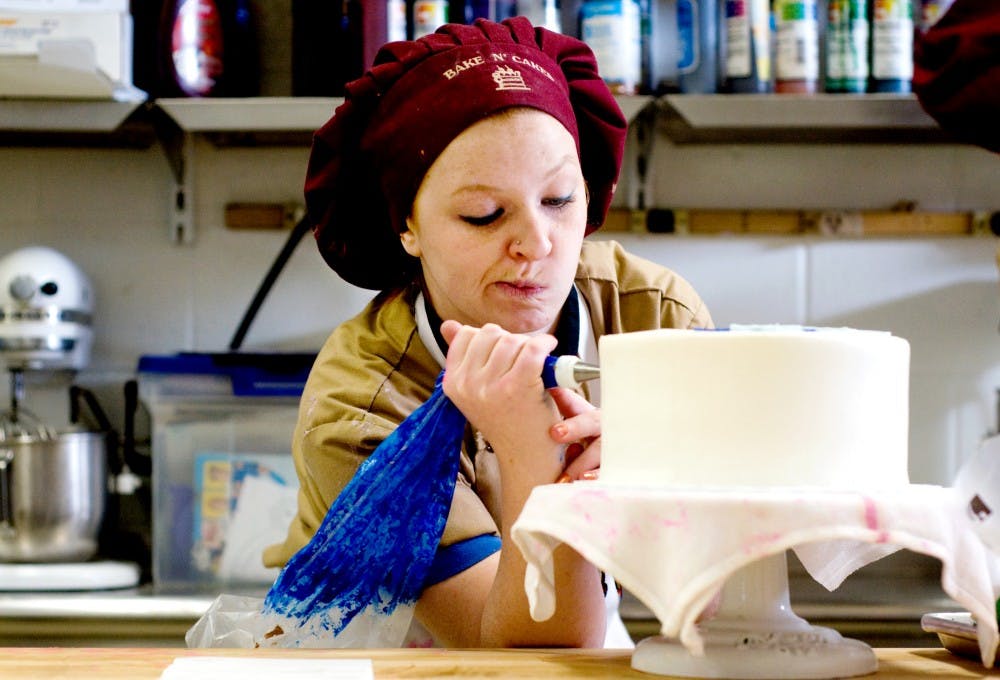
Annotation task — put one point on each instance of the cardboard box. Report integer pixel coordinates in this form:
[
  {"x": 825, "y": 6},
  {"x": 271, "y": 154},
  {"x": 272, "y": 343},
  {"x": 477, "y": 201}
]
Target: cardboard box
[
  {"x": 25, "y": 34},
  {"x": 121, "y": 6}
]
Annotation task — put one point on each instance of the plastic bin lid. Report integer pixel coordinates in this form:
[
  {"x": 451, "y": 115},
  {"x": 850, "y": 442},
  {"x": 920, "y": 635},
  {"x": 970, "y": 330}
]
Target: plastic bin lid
[{"x": 252, "y": 374}]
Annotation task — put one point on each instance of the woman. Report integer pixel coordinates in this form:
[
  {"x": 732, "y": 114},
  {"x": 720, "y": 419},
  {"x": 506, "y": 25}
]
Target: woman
[{"x": 459, "y": 179}]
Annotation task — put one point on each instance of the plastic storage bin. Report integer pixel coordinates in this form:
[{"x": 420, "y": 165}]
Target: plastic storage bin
[{"x": 224, "y": 485}]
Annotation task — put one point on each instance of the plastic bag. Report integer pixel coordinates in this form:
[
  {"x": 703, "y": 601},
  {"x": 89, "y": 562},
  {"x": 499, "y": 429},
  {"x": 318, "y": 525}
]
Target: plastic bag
[
  {"x": 356, "y": 583},
  {"x": 238, "y": 621}
]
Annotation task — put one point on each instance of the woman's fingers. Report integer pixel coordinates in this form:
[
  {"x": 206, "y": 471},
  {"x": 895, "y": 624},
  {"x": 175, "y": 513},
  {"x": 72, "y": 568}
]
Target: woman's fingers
[
  {"x": 580, "y": 418},
  {"x": 490, "y": 358},
  {"x": 580, "y": 431}
]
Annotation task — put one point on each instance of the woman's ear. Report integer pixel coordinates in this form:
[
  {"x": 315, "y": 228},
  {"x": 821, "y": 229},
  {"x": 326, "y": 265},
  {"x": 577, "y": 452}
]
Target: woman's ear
[{"x": 409, "y": 239}]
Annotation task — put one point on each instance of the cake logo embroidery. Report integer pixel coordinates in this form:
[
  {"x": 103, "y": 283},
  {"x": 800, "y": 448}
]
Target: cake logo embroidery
[{"x": 508, "y": 78}]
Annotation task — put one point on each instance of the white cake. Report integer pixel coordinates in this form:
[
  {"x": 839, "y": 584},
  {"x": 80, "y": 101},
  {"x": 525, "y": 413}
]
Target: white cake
[{"x": 755, "y": 406}]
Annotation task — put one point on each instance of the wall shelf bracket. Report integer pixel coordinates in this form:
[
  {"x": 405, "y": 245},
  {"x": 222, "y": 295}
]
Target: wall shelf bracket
[{"x": 178, "y": 147}]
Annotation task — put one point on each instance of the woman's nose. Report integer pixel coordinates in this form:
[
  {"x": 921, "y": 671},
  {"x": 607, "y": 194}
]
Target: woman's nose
[{"x": 531, "y": 239}]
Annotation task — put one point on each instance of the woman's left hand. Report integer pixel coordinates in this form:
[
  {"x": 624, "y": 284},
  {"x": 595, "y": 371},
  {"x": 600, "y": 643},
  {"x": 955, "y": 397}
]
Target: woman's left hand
[{"x": 580, "y": 431}]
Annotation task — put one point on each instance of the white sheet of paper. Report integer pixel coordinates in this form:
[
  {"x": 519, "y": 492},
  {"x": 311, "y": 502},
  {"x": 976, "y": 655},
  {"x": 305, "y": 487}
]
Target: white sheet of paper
[
  {"x": 263, "y": 512},
  {"x": 243, "y": 668}
]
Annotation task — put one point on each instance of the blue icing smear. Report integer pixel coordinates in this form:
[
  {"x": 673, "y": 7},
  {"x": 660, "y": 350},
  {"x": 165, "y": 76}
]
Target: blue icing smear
[{"x": 379, "y": 537}]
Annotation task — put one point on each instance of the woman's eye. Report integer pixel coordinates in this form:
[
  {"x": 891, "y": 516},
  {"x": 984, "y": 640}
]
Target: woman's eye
[
  {"x": 558, "y": 201},
  {"x": 482, "y": 221}
]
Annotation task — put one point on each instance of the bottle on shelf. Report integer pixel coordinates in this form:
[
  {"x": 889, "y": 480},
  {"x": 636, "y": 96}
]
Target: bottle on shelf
[
  {"x": 502, "y": 9},
  {"x": 847, "y": 53},
  {"x": 543, "y": 13},
  {"x": 698, "y": 33},
  {"x": 931, "y": 11},
  {"x": 891, "y": 45},
  {"x": 208, "y": 48},
  {"x": 427, "y": 16},
  {"x": 470, "y": 11},
  {"x": 796, "y": 25},
  {"x": 613, "y": 30},
  {"x": 662, "y": 51},
  {"x": 395, "y": 20},
  {"x": 747, "y": 49}
]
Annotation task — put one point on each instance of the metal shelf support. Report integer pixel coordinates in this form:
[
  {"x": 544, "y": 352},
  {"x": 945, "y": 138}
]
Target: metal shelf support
[{"x": 179, "y": 148}]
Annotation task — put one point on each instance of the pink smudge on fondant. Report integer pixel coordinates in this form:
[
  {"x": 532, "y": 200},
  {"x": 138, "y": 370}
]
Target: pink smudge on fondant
[
  {"x": 871, "y": 520},
  {"x": 871, "y": 513}
]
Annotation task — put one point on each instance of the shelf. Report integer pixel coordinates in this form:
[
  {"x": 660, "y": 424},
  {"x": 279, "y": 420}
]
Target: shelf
[
  {"x": 797, "y": 118},
  {"x": 282, "y": 119},
  {"x": 55, "y": 115},
  {"x": 285, "y": 114},
  {"x": 886, "y": 118},
  {"x": 256, "y": 114},
  {"x": 69, "y": 123}
]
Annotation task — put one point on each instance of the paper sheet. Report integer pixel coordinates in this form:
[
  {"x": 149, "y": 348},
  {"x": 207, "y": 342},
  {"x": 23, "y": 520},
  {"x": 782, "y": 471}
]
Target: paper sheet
[{"x": 242, "y": 668}]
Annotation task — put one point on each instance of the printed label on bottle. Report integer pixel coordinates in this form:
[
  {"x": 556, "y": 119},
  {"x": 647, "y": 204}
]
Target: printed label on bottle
[
  {"x": 428, "y": 15},
  {"x": 847, "y": 42},
  {"x": 395, "y": 14},
  {"x": 196, "y": 46},
  {"x": 797, "y": 32},
  {"x": 892, "y": 40},
  {"x": 687, "y": 33},
  {"x": 612, "y": 30},
  {"x": 931, "y": 11},
  {"x": 738, "y": 39},
  {"x": 760, "y": 25}
]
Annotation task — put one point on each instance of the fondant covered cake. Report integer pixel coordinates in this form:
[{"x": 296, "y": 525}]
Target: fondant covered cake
[{"x": 755, "y": 406}]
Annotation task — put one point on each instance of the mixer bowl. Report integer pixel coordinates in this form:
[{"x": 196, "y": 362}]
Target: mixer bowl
[{"x": 52, "y": 496}]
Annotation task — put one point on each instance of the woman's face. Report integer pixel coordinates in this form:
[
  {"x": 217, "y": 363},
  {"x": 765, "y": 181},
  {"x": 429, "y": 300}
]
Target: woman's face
[{"x": 498, "y": 223}]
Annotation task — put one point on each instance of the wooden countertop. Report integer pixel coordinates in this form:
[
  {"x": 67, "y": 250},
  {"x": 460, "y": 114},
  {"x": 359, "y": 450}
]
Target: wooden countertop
[{"x": 49, "y": 663}]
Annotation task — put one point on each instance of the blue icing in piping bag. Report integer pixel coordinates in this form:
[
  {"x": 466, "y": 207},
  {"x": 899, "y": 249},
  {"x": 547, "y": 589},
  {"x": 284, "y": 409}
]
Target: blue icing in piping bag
[{"x": 355, "y": 584}]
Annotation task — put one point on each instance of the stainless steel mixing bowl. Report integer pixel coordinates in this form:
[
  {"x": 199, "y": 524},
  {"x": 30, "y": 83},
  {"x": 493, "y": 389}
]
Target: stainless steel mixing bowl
[{"x": 53, "y": 492}]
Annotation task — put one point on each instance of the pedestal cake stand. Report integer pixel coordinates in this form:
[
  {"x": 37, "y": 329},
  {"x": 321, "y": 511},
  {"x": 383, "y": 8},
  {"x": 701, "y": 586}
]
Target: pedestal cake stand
[
  {"x": 685, "y": 553},
  {"x": 755, "y": 634}
]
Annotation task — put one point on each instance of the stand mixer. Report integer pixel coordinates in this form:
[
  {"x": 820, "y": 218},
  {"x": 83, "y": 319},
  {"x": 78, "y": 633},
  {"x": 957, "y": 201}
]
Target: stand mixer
[
  {"x": 53, "y": 483},
  {"x": 45, "y": 315}
]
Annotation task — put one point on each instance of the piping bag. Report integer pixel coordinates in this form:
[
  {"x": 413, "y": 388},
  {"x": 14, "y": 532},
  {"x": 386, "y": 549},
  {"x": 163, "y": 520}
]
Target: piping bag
[{"x": 356, "y": 583}]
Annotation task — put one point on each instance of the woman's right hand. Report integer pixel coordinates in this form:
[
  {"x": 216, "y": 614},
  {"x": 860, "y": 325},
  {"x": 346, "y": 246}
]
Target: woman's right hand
[{"x": 494, "y": 378}]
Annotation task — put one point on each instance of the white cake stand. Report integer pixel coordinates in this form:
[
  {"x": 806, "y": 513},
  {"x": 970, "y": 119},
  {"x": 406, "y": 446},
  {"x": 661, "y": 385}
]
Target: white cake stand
[
  {"x": 755, "y": 634},
  {"x": 673, "y": 549}
]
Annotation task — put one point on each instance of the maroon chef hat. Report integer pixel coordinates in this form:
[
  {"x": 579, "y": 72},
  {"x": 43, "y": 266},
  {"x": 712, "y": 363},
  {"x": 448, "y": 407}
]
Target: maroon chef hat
[
  {"x": 956, "y": 72},
  {"x": 369, "y": 159}
]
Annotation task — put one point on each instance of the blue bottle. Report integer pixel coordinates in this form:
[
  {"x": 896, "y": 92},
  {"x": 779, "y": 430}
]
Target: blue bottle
[{"x": 698, "y": 30}]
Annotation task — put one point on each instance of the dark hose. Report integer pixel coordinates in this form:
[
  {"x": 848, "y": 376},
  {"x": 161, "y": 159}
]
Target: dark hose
[{"x": 300, "y": 229}]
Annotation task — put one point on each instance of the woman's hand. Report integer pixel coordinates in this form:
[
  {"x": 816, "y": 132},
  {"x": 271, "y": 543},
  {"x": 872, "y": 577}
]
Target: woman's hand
[
  {"x": 494, "y": 378},
  {"x": 580, "y": 432}
]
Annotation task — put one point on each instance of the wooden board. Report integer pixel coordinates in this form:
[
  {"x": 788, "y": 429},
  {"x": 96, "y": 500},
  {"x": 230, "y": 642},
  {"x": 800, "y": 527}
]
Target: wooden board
[{"x": 138, "y": 664}]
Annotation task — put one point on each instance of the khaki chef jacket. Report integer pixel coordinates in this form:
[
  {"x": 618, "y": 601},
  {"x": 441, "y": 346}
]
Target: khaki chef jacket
[{"x": 373, "y": 371}]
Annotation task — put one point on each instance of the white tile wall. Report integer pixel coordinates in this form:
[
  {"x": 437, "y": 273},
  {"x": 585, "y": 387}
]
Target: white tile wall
[{"x": 108, "y": 209}]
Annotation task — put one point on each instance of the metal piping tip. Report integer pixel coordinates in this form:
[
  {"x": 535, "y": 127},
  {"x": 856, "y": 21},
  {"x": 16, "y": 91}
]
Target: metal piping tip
[{"x": 583, "y": 372}]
